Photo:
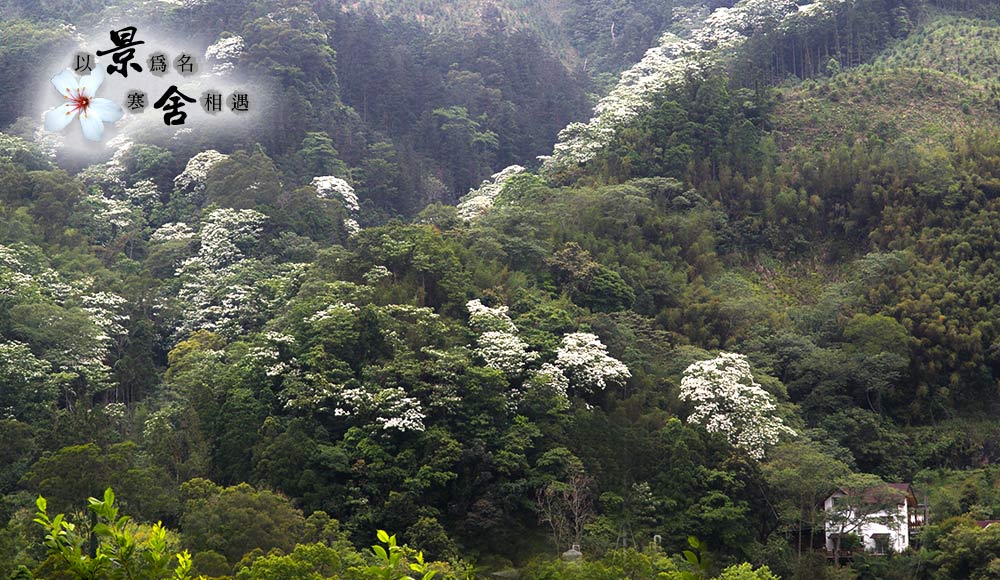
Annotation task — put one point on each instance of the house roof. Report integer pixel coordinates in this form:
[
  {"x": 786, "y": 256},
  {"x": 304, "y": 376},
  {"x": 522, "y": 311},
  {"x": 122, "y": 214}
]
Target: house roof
[
  {"x": 986, "y": 523},
  {"x": 873, "y": 494}
]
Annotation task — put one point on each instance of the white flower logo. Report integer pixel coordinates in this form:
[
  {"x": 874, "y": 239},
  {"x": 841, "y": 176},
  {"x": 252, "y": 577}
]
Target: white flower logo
[{"x": 79, "y": 95}]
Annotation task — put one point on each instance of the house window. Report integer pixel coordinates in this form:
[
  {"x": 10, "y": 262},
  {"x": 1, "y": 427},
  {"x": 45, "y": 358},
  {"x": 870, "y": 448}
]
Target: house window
[{"x": 881, "y": 543}]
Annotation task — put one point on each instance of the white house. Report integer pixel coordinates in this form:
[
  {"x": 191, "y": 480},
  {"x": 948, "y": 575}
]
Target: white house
[{"x": 880, "y": 530}]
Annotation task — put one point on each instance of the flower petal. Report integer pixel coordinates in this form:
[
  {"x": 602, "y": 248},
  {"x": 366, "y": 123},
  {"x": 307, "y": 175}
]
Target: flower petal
[
  {"x": 106, "y": 110},
  {"x": 90, "y": 83},
  {"x": 56, "y": 119},
  {"x": 92, "y": 126},
  {"x": 66, "y": 83}
]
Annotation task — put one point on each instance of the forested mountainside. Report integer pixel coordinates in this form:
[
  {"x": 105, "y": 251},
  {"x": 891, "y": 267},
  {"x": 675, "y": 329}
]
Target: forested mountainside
[
  {"x": 757, "y": 270},
  {"x": 593, "y": 36}
]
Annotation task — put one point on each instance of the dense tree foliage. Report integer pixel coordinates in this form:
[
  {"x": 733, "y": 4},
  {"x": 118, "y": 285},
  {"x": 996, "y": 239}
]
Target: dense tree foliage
[{"x": 666, "y": 349}]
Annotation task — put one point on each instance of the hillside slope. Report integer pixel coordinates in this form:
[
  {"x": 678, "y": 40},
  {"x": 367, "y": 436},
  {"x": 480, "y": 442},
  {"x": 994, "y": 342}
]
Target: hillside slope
[{"x": 938, "y": 82}]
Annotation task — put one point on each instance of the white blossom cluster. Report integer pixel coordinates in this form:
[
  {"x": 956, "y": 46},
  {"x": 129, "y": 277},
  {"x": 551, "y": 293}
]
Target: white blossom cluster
[
  {"x": 582, "y": 360},
  {"x": 222, "y": 289},
  {"x": 116, "y": 412},
  {"x": 555, "y": 380},
  {"x": 668, "y": 64},
  {"x": 15, "y": 278},
  {"x": 331, "y": 187},
  {"x": 479, "y": 201},
  {"x": 391, "y": 409},
  {"x": 106, "y": 311},
  {"x": 498, "y": 343},
  {"x": 191, "y": 181},
  {"x": 729, "y": 401},
  {"x": 114, "y": 206},
  {"x": 27, "y": 281},
  {"x": 339, "y": 308},
  {"x": 142, "y": 193},
  {"x": 482, "y": 318},
  {"x": 505, "y": 352},
  {"x": 308, "y": 396},
  {"x": 40, "y": 282},
  {"x": 173, "y": 231},
  {"x": 18, "y": 364},
  {"x": 377, "y": 272},
  {"x": 224, "y": 231},
  {"x": 268, "y": 356},
  {"x": 223, "y": 54},
  {"x": 398, "y": 322},
  {"x": 162, "y": 423},
  {"x": 279, "y": 338},
  {"x": 114, "y": 212},
  {"x": 16, "y": 148},
  {"x": 585, "y": 361}
]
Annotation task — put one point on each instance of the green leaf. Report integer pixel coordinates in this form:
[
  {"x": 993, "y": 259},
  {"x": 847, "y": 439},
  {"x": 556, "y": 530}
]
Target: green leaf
[
  {"x": 693, "y": 542},
  {"x": 381, "y": 553},
  {"x": 690, "y": 557},
  {"x": 383, "y": 536}
]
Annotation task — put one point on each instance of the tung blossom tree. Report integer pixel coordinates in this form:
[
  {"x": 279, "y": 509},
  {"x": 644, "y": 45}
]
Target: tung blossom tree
[
  {"x": 498, "y": 343},
  {"x": 334, "y": 188},
  {"x": 728, "y": 400},
  {"x": 585, "y": 361},
  {"x": 670, "y": 63},
  {"x": 479, "y": 201},
  {"x": 223, "y": 54},
  {"x": 388, "y": 409},
  {"x": 171, "y": 232},
  {"x": 225, "y": 232},
  {"x": 483, "y": 318},
  {"x": 191, "y": 181},
  {"x": 582, "y": 362},
  {"x": 223, "y": 288},
  {"x": 505, "y": 352}
]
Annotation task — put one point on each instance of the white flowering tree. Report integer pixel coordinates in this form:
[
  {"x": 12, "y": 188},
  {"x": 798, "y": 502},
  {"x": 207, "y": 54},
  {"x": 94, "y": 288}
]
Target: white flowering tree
[
  {"x": 191, "y": 182},
  {"x": 71, "y": 325},
  {"x": 226, "y": 233},
  {"x": 329, "y": 187},
  {"x": 104, "y": 219},
  {"x": 585, "y": 362},
  {"x": 498, "y": 343},
  {"x": 173, "y": 232},
  {"x": 387, "y": 409},
  {"x": 505, "y": 352},
  {"x": 728, "y": 400},
  {"x": 106, "y": 310},
  {"x": 550, "y": 379},
  {"x": 223, "y": 288},
  {"x": 143, "y": 194},
  {"x": 671, "y": 62},
  {"x": 109, "y": 177},
  {"x": 223, "y": 54},
  {"x": 479, "y": 201},
  {"x": 483, "y": 318}
]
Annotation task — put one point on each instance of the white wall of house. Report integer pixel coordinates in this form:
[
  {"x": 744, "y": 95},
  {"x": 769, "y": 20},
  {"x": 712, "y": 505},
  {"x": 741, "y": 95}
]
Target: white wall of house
[{"x": 899, "y": 536}]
